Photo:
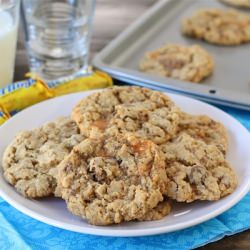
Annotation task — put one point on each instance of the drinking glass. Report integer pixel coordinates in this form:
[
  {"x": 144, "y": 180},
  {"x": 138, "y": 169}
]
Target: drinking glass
[
  {"x": 9, "y": 15},
  {"x": 57, "y": 36}
]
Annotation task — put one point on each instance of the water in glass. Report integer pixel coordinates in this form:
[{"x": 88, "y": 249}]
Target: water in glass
[{"x": 58, "y": 34}]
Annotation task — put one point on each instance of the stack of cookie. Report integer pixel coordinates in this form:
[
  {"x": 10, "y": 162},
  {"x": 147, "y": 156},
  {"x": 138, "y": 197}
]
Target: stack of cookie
[{"x": 125, "y": 154}]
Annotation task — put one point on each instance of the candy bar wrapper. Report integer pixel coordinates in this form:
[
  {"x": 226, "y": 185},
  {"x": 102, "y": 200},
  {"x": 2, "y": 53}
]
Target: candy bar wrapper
[
  {"x": 94, "y": 81},
  {"x": 20, "y": 95}
]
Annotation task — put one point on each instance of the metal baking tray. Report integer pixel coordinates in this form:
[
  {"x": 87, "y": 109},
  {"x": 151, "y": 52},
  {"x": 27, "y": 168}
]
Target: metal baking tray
[{"x": 230, "y": 83}]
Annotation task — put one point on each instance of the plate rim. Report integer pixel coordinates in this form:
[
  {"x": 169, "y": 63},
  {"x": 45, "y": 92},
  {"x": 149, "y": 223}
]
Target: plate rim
[{"x": 103, "y": 231}]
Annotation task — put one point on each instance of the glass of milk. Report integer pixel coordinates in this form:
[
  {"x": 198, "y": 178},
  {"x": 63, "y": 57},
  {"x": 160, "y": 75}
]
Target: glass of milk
[{"x": 9, "y": 16}]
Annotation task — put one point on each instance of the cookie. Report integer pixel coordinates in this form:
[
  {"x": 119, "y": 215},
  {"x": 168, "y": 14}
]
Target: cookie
[
  {"x": 30, "y": 161},
  {"x": 238, "y": 3},
  {"x": 203, "y": 128},
  {"x": 146, "y": 113},
  {"x": 197, "y": 171},
  {"x": 191, "y": 64},
  {"x": 218, "y": 26},
  {"x": 110, "y": 180},
  {"x": 159, "y": 212}
]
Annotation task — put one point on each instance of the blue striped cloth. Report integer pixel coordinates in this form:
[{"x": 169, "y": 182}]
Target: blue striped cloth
[{"x": 18, "y": 231}]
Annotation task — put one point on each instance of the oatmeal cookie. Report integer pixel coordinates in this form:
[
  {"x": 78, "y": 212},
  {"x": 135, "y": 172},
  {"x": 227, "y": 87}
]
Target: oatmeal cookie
[
  {"x": 157, "y": 213},
  {"x": 147, "y": 113},
  {"x": 238, "y": 3},
  {"x": 218, "y": 26},
  {"x": 30, "y": 161},
  {"x": 110, "y": 180},
  {"x": 204, "y": 128},
  {"x": 180, "y": 62},
  {"x": 197, "y": 171}
]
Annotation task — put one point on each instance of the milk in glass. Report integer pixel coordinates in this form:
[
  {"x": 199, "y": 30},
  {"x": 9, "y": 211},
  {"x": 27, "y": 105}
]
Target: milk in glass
[{"x": 8, "y": 37}]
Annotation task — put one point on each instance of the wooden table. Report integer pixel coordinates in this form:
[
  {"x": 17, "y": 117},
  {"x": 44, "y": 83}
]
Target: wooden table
[{"x": 112, "y": 17}]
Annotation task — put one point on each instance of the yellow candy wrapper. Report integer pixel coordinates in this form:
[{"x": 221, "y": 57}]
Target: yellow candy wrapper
[
  {"x": 20, "y": 95},
  {"x": 4, "y": 115},
  {"x": 94, "y": 81}
]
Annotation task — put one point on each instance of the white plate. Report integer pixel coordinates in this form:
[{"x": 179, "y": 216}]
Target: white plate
[{"x": 53, "y": 211}]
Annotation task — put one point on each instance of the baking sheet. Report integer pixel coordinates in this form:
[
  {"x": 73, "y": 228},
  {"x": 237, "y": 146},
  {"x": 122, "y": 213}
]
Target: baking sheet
[{"x": 230, "y": 83}]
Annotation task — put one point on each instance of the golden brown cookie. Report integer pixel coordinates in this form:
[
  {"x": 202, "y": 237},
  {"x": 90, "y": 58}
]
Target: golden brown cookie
[
  {"x": 185, "y": 63},
  {"x": 197, "y": 171},
  {"x": 218, "y": 26},
  {"x": 203, "y": 128},
  {"x": 146, "y": 113},
  {"x": 110, "y": 180},
  {"x": 30, "y": 161}
]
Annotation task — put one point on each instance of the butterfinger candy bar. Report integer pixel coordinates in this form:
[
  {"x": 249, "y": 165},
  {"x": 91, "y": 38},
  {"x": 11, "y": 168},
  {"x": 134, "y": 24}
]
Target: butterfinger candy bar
[
  {"x": 94, "y": 81},
  {"x": 22, "y": 94}
]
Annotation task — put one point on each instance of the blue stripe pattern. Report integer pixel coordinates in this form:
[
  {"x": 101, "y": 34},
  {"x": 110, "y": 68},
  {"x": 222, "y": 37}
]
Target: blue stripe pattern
[{"x": 15, "y": 86}]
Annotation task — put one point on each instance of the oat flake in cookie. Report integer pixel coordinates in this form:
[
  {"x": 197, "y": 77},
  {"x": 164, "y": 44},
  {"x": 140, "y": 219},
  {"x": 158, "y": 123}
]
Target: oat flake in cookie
[
  {"x": 181, "y": 62},
  {"x": 30, "y": 161},
  {"x": 218, "y": 26},
  {"x": 146, "y": 113},
  {"x": 197, "y": 171},
  {"x": 110, "y": 180}
]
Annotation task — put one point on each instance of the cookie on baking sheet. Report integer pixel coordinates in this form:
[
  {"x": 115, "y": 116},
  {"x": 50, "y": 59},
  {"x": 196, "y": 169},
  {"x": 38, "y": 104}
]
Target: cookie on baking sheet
[
  {"x": 204, "y": 128},
  {"x": 147, "y": 113},
  {"x": 114, "y": 179},
  {"x": 30, "y": 161},
  {"x": 197, "y": 171},
  {"x": 238, "y": 3},
  {"x": 218, "y": 26},
  {"x": 186, "y": 63}
]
